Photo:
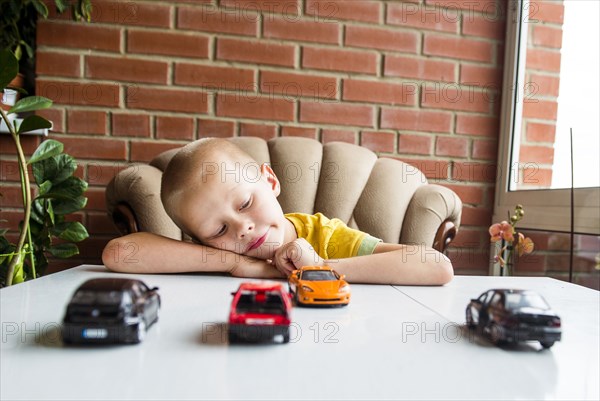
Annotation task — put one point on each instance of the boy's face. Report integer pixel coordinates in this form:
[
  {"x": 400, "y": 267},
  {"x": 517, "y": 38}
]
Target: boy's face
[{"x": 236, "y": 209}]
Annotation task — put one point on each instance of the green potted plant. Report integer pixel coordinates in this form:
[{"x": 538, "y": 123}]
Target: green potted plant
[
  {"x": 18, "y": 21},
  {"x": 58, "y": 193}
]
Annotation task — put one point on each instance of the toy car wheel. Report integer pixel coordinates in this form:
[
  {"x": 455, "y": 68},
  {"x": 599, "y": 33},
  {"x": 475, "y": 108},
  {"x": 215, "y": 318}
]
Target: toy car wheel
[
  {"x": 286, "y": 336},
  {"x": 496, "y": 334},
  {"x": 547, "y": 344},
  {"x": 470, "y": 323},
  {"x": 233, "y": 338},
  {"x": 141, "y": 331}
]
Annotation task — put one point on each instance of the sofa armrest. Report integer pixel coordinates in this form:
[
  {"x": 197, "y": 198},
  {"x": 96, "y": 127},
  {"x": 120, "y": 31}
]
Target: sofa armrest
[{"x": 432, "y": 217}]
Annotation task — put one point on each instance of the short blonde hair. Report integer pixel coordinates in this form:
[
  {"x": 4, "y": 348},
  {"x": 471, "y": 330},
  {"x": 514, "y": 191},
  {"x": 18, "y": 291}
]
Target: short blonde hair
[{"x": 190, "y": 165}]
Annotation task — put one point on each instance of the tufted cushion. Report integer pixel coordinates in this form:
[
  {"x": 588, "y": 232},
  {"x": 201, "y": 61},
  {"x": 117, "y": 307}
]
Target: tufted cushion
[{"x": 387, "y": 198}]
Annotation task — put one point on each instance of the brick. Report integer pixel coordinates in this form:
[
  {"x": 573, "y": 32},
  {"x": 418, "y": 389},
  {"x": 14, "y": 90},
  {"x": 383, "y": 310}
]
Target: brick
[
  {"x": 298, "y": 85},
  {"x": 484, "y": 27},
  {"x": 478, "y": 75},
  {"x": 166, "y": 99},
  {"x": 538, "y": 132},
  {"x": 337, "y": 135},
  {"x": 546, "y": 11},
  {"x": 254, "y": 106},
  {"x": 379, "y": 92},
  {"x": 290, "y": 7},
  {"x": 468, "y": 237},
  {"x": 174, "y": 128},
  {"x": 96, "y": 199},
  {"x": 543, "y": 85},
  {"x": 458, "y": 48},
  {"x": 533, "y": 176},
  {"x": 57, "y": 64},
  {"x": 305, "y": 132},
  {"x": 255, "y": 52},
  {"x": 409, "y": 67},
  {"x": 453, "y": 97},
  {"x": 86, "y": 122},
  {"x": 102, "y": 173},
  {"x": 448, "y": 146},
  {"x": 356, "y": 10},
  {"x": 210, "y": 19},
  {"x": 384, "y": 39},
  {"x": 486, "y": 150},
  {"x": 336, "y": 113},
  {"x": 339, "y": 60},
  {"x": 416, "y": 120},
  {"x": 130, "y": 125},
  {"x": 29, "y": 143},
  {"x": 126, "y": 69},
  {"x": 414, "y": 144},
  {"x": 547, "y": 37},
  {"x": 423, "y": 17},
  {"x": 215, "y": 78},
  {"x": 77, "y": 93},
  {"x": 9, "y": 171},
  {"x": 167, "y": 43},
  {"x": 433, "y": 169},
  {"x": 474, "y": 171},
  {"x": 81, "y": 36},
  {"x": 263, "y": 131},
  {"x": 131, "y": 13},
  {"x": 11, "y": 196},
  {"x": 144, "y": 151},
  {"x": 542, "y": 109},
  {"x": 477, "y": 125},
  {"x": 469, "y": 261},
  {"x": 55, "y": 116},
  {"x": 476, "y": 216},
  {"x": 100, "y": 223},
  {"x": 378, "y": 141},
  {"x": 544, "y": 60},
  {"x": 298, "y": 30},
  {"x": 469, "y": 194},
  {"x": 215, "y": 128},
  {"x": 536, "y": 154},
  {"x": 96, "y": 148},
  {"x": 486, "y": 6}
]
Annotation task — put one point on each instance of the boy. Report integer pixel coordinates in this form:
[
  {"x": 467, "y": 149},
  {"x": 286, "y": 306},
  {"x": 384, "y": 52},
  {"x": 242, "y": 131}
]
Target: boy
[{"x": 227, "y": 203}]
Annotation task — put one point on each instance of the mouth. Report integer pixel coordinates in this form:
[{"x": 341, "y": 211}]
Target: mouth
[{"x": 258, "y": 242}]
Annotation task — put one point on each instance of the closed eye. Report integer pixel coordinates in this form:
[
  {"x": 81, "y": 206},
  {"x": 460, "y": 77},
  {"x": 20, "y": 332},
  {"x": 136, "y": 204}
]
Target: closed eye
[
  {"x": 246, "y": 204},
  {"x": 221, "y": 231}
]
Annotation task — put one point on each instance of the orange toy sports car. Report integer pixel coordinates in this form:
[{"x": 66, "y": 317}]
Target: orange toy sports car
[{"x": 319, "y": 285}]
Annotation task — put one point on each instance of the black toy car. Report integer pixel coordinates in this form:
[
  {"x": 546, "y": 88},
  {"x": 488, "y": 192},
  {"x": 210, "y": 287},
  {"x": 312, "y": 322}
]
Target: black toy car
[
  {"x": 110, "y": 310},
  {"x": 513, "y": 316}
]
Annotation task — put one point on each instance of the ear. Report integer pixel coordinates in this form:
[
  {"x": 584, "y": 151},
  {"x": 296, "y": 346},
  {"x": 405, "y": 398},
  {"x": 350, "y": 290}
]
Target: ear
[{"x": 268, "y": 174}]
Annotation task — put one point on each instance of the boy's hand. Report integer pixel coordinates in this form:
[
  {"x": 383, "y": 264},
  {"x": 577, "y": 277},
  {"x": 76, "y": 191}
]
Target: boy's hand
[
  {"x": 255, "y": 268},
  {"x": 294, "y": 255}
]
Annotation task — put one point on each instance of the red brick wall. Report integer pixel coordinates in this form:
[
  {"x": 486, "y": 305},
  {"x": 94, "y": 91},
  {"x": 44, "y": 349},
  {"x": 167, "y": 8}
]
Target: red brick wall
[{"x": 417, "y": 81}]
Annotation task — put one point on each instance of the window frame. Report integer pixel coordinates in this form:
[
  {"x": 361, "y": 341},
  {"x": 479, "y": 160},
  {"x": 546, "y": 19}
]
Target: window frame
[{"x": 547, "y": 209}]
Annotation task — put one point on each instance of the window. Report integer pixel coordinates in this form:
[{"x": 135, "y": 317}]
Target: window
[{"x": 550, "y": 86}]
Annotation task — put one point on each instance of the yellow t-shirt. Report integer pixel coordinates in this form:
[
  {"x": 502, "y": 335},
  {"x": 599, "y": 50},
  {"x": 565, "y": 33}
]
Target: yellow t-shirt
[{"x": 332, "y": 238}]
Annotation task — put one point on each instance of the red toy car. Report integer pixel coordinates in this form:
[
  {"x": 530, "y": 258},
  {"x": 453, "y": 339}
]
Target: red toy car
[{"x": 260, "y": 311}]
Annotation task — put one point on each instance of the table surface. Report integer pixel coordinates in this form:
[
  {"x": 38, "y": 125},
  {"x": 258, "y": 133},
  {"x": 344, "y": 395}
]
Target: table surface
[{"x": 391, "y": 342}]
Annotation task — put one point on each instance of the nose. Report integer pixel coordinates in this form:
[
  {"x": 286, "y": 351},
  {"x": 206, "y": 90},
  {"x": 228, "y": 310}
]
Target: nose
[{"x": 245, "y": 228}]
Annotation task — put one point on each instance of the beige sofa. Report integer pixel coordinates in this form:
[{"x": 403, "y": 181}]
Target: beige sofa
[{"x": 387, "y": 198}]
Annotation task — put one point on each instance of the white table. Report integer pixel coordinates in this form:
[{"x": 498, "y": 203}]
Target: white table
[{"x": 389, "y": 343}]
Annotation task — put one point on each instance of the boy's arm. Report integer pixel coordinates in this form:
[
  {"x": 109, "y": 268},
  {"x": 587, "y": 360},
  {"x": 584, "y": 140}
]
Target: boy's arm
[
  {"x": 397, "y": 264},
  {"x": 150, "y": 253}
]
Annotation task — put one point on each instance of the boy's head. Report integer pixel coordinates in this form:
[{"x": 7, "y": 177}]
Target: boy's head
[{"x": 217, "y": 194}]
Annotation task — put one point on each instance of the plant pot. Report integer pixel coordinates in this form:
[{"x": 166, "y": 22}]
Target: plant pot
[{"x": 10, "y": 96}]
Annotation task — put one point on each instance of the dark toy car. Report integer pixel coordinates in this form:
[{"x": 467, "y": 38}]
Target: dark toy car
[
  {"x": 513, "y": 316},
  {"x": 110, "y": 310},
  {"x": 259, "y": 312}
]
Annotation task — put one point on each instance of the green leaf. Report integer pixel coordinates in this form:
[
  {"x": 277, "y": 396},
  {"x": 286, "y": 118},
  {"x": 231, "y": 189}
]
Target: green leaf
[
  {"x": 45, "y": 187},
  {"x": 50, "y": 211},
  {"x": 69, "y": 206},
  {"x": 61, "y": 5},
  {"x": 41, "y": 8},
  {"x": 56, "y": 169},
  {"x": 9, "y": 67},
  {"x": 46, "y": 149},
  {"x": 64, "y": 251},
  {"x": 37, "y": 211},
  {"x": 31, "y": 103},
  {"x": 72, "y": 231},
  {"x": 72, "y": 187},
  {"x": 31, "y": 123}
]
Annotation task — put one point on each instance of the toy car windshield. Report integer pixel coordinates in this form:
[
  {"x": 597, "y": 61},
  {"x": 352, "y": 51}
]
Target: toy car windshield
[
  {"x": 526, "y": 300},
  {"x": 318, "y": 275},
  {"x": 252, "y": 302}
]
